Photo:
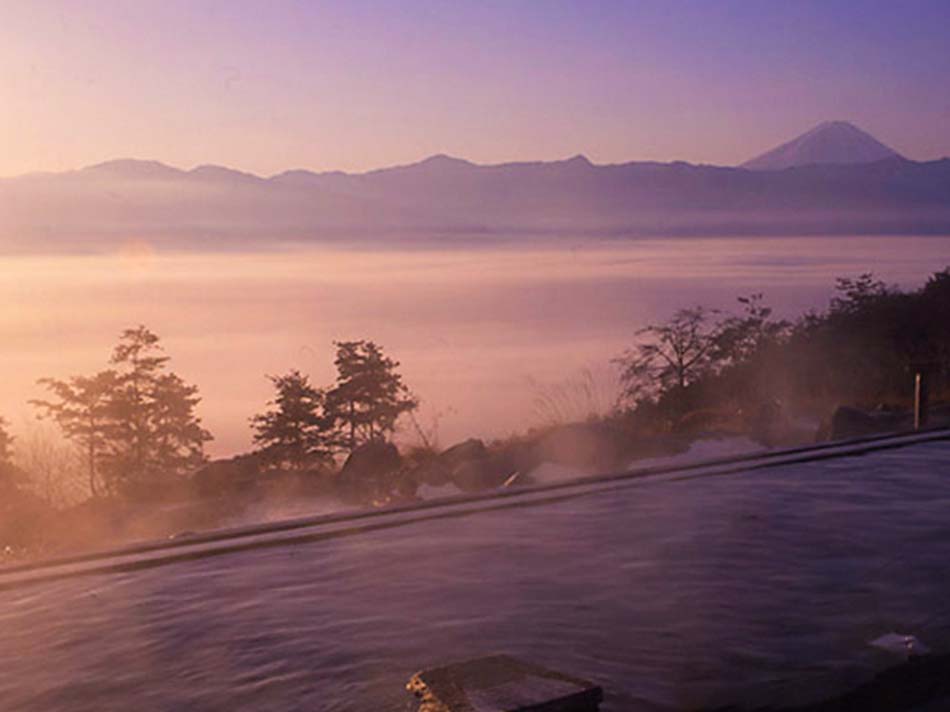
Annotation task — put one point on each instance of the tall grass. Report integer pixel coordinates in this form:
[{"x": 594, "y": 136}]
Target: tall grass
[{"x": 592, "y": 393}]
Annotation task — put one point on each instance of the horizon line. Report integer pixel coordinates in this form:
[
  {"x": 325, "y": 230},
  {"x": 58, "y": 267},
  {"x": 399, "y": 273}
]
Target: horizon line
[{"x": 577, "y": 157}]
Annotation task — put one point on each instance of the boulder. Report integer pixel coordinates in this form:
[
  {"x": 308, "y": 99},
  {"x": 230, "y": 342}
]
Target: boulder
[
  {"x": 369, "y": 464},
  {"x": 470, "y": 476},
  {"x": 227, "y": 476},
  {"x": 502, "y": 683},
  {"x": 471, "y": 449},
  {"x": 848, "y": 422},
  {"x": 590, "y": 446},
  {"x": 481, "y": 474},
  {"x": 938, "y": 415},
  {"x": 768, "y": 423},
  {"x": 472, "y": 467},
  {"x": 657, "y": 446},
  {"x": 432, "y": 473},
  {"x": 706, "y": 420},
  {"x": 26, "y": 522}
]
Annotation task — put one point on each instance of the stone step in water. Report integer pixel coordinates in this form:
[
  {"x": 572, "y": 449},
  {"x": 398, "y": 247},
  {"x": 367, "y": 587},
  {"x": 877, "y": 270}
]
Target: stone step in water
[{"x": 501, "y": 683}]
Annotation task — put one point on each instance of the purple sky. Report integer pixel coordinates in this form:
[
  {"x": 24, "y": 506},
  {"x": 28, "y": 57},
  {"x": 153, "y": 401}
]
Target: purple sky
[{"x": 266, "y": 85}]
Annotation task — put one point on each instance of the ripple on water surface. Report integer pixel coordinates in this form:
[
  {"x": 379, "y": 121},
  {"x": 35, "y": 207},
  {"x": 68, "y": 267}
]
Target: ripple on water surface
[{"x": 763, "y": 586}]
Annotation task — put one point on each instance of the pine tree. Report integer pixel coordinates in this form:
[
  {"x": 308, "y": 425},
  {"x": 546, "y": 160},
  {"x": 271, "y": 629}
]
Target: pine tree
[
  {"x": 177, "y": 436},
  {"x": 139, "y": 364},
  {"x": 83, "y": 411},
  {"x": 136, "y": 423},
  {"x": 155, "y": 431},
  {"x": 369, "y": 395},
  {"x": 293, "y": 434}
]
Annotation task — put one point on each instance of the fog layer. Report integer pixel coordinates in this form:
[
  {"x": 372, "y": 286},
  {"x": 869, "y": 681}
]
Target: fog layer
[{"x": 476, "y": 328}]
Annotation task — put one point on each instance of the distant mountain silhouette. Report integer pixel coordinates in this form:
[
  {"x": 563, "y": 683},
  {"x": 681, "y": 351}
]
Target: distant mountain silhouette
[
  {"x": 831, "y": 142},
  {"x": 132, "y": 169},
  {"x": 218, "y": 206}
]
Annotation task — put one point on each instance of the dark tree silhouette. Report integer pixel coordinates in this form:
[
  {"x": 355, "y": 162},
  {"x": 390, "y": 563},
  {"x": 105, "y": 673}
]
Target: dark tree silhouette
[
  {"x": 740, "y": 338},
  {"x": 139, "y": 364},
  {"x": 932, "y": 319},
  {"x": 136, "y": 423},
  {"x": 856, "y": 294},
  {"x": 854, "y": 351},
  {"x": 864, "y": 349},
  {"x": 83, "y": 410},
  {"x": 294, "y": 433},
  {"x": 369, "y": 395},
  {"x": 669, "y": 356},
  {"x": 177, "y": 436},
  {"x": 155, "y": 432}
]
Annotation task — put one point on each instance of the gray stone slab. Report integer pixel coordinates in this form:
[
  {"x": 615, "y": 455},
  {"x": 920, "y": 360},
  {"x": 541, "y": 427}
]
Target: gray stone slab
[{"x": 500, "y": 683}]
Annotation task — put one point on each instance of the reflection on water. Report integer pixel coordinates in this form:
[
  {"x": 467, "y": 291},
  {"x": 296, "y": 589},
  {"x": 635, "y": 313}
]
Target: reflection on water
[
  {"x": 762, "y": 587},
  {"x": 471, "y": 325}
]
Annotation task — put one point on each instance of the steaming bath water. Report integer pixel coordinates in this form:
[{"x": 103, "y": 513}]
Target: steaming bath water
[
  {"x": 472, "y": 322},
  {"x": 761, "y": 587}
]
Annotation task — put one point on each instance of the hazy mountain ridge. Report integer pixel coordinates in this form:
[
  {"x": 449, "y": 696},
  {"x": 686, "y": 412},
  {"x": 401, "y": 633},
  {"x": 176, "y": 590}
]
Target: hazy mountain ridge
[{"x": 441, "y": 194}]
